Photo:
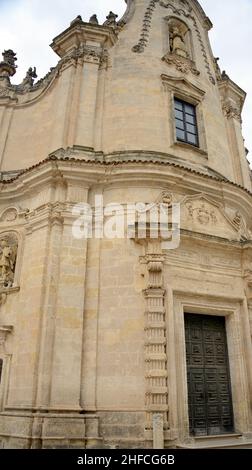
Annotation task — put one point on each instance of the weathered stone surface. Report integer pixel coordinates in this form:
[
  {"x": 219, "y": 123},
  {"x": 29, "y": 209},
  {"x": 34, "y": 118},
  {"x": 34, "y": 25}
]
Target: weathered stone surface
[{"x": 92, "y": 330}]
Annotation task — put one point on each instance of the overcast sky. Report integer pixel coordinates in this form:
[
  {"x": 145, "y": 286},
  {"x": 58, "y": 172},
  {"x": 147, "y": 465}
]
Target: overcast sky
[{"x": 28, "y": 26}]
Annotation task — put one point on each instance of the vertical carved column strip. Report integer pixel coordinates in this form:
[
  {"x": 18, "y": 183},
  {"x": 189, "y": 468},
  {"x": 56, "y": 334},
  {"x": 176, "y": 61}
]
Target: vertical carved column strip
[
  {"x": 247, "y": 323},
  {"x": 155, "y": 343}
]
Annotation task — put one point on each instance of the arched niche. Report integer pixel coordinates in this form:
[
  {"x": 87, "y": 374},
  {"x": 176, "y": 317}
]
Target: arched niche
[
  {"x": 180, "y": 38},
  {"x": 8, "y": 258}
]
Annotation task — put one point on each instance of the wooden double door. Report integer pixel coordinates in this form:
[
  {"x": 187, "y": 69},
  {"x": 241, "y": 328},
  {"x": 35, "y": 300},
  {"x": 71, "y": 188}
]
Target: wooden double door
[{"x": 209, "y": 386}]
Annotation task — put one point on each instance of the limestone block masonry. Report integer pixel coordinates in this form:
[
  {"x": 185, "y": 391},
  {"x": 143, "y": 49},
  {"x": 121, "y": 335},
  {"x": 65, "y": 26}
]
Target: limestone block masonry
[{"x": 93, "y": 349}]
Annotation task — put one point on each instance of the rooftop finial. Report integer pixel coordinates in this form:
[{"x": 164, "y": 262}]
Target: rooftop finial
[
  {"x": 77, "y": 20},
  {"x": 8, "y": 66},
  {"x": 94, "y": 20},
  {"x": 111, "y": 19}
]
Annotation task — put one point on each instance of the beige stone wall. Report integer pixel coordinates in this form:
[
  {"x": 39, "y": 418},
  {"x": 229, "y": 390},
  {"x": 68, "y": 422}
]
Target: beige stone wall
[
  {"x": 92, "y": 331},
  {"x": 96, "y": 102},
  {"x": 79, "y": 311}
]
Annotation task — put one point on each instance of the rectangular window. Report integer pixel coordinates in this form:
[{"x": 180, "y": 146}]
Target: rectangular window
[
  {"x": 1, "y": 369},
  {"x": 186, "y": 123}
]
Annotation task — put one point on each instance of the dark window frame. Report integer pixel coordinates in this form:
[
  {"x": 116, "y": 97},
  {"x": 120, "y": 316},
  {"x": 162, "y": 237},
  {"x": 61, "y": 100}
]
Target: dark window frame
[{"x": 178, "y": 103}]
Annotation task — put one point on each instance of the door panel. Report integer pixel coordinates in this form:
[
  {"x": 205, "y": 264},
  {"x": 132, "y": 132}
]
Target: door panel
[{"x": 209, "y": 387}]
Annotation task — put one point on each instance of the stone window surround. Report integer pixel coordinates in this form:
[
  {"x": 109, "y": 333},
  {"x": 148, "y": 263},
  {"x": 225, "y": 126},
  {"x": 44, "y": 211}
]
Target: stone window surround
[
  {"x": 232, "y": 310},
  {"x": 191, "y": 95}
]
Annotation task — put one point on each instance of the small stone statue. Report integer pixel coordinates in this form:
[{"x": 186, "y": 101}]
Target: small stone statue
[
  {"x": 77, "y": 20},
  {"x": 111, "y": 19},
  {"x": 217, "y": 68},
  {"x": 31, "y": 74},
  {"x": 224, "y": 75},
  {"x": 94, "y": 19},
  {"x": 177, "y": 43},
  {"x": 8, "y": 255}
]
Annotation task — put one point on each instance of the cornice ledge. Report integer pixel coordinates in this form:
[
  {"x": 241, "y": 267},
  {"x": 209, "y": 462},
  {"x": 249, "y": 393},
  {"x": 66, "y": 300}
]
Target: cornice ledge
[
  {"x": 119, "y": 158},
  {"x": 78, "y": 34},
  {"x": 175, "y": 83}
]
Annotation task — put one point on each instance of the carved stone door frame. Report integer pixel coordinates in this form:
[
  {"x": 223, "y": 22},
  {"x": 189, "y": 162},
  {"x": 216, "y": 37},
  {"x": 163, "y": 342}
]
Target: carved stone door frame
[{"x": 184, "y": 302}]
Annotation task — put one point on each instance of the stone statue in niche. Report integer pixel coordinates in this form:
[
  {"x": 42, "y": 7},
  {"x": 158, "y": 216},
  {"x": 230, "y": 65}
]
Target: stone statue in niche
[
  {"x": 8, "y": 255},
  {"x": 177, "y": 43}
]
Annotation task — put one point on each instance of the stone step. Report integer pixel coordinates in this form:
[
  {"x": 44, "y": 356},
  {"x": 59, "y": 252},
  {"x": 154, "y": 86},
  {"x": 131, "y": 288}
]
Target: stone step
[{"x": 227, "y": 441}]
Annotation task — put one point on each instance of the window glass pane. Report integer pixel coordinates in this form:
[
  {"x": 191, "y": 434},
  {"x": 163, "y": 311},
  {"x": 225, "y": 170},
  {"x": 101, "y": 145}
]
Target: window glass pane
[
  {"x": 180, "y": 124},
  {"x": 192, "y": 139},
  {"x": 186, "y": 122},
  {"x": 179, "y": 114},
  {"x": 190, "y": 119},
  {"x": 178, "y": 105},
  {"x": 191, "y": 128},
  {"x": 190, "y": 109},
  {"x": 180, "y": 134}
]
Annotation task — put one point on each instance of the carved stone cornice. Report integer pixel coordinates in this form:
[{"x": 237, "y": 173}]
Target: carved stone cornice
[
  {"x": 233, "y": 98},
  {"x": 78, "y": 35},
  {"x": 232, "y": 112},
  {"x": 48, "y": 214},
  {"x": 182, "y": 84},
  {"x": 89, "y": 54},
  {"x": 81, "y": 42},
  {"x": 181, "y": 63}
]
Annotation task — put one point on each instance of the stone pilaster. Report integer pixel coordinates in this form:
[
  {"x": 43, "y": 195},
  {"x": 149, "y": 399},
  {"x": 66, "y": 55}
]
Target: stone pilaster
[{"x": 155, "y": 343}]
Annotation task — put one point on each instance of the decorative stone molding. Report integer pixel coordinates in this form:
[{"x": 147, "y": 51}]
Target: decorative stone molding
[
  {"x": 89, "y": 54},
  {"x": 180, "y": 3},
  {"x": 7, "y": 92},
  {"x": 146, "y": 26},
  {"x": 9, "y": 215},
  {"x": 128, "y": 14},
  {"x": 231, "y": 111},
  {"x": 144, "y": 37},
  {"x": 233, "y": 98},
  {"x": 202, "y": 214},
  {"x": 8, "y": 66},
  {"x": 181, "y": 63},
  {"x": 8, "y": 256},
  {"x": 77, "y": 35},
  {"x": 12, "y": 215},
  {"x": 166, "y": 198},
  {"x": 181, "y": 85},
  {"x": 155, "y": 344}
]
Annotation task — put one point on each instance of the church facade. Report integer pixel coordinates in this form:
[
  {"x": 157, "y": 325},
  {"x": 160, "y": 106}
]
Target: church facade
[{"x": 137, "y": 339}]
